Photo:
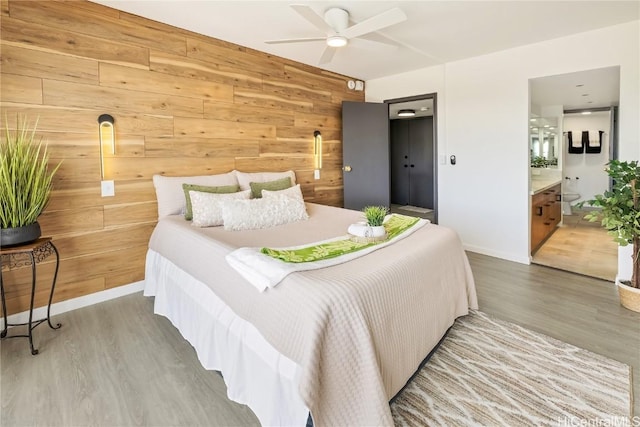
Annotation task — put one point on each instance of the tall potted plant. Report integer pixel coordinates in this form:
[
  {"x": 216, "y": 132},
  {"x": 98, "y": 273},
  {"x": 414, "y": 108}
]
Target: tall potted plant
[
  {"x": 620, "y": 215},
  {"x": 25, "y": 183}
]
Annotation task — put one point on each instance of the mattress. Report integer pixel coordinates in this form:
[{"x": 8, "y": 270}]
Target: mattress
[{"x": 350, "y": 336}]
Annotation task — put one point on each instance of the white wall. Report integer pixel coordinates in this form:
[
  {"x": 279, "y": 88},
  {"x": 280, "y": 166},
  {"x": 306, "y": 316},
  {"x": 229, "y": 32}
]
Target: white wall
[
  {"x": 586, "y": 170},
  {"x": 483, "y": 108},
  {"x": 421, "y": 82}
]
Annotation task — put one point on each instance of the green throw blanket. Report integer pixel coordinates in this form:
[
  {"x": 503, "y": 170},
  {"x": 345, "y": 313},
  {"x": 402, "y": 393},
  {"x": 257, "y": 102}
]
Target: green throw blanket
[{"x": 394, "y": 226}]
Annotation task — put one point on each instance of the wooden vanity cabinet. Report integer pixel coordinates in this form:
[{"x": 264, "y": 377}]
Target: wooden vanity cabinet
[{"x": 546, "y": 213}]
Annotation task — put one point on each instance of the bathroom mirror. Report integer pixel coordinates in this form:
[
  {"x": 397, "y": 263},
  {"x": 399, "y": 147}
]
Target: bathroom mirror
[{"x": 544, "y": 142}]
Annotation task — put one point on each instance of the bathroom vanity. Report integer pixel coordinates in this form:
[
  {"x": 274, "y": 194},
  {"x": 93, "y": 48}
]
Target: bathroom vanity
[{"x": 546, "y": 211}]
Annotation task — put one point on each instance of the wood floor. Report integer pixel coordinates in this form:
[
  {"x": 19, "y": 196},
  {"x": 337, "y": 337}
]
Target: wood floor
[
  {"x": 582, "y": 247},
  {"x": 429, "y": 214},
  {"x": 118, "y": 364}
]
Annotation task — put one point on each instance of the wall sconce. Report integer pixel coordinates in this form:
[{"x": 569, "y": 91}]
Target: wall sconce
[
  {"x": 107, "y": 136},
  {"x": 317, "y": 150}
]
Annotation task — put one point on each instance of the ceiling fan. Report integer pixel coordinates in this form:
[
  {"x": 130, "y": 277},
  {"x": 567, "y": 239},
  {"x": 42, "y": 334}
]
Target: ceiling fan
[{"x": 335, "y": 24}]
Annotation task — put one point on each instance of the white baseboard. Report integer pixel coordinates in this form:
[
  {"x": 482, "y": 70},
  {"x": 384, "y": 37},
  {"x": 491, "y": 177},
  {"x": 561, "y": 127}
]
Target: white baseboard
[
  {"x": 76, "y": 303},
  {"x": 496, "y": 254}
]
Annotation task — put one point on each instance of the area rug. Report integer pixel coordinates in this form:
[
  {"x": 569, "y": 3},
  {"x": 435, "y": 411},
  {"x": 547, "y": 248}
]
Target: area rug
[{"x": 488, "y": 372}]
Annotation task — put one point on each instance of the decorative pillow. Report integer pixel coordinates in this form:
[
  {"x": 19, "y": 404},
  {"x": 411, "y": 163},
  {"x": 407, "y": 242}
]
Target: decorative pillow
[
  {"x": 171, "y": 200},
  {"x": 204, "y": 189},
  {"x": 262, "y": 213},
  {"x": 207, "y": 207},
  {"x": 245, "y": 178},
  {"x": 278, "y": 184},
  {"x": 294, "y": 192}
]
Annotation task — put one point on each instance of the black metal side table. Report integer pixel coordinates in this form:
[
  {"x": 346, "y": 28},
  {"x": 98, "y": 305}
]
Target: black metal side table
[{"x": 21, "y": 256}]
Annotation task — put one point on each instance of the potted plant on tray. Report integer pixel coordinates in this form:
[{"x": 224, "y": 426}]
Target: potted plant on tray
[
  {"x": 25, "y": 183},
  {"x": 375, "y": 217},
  {"x": 620, "y": 214}
]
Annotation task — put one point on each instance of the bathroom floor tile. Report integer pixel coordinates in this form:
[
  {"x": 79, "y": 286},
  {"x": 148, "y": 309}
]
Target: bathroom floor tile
[{"x": 581, "y": 247}]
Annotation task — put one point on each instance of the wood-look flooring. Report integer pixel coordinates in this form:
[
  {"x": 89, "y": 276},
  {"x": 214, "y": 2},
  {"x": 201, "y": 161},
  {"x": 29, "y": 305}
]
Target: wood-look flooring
[
  {"x": 430, "y": 214},
  {"x": 118, "y": 364},
  {"x": 580, "y": 246}
]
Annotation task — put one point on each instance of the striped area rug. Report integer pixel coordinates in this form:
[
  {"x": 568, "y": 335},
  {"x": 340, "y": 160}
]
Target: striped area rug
[{"x": 489, "y": 372}]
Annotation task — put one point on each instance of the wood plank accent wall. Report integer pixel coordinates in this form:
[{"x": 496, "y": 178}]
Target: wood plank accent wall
[{"x": 183, "y": 103}]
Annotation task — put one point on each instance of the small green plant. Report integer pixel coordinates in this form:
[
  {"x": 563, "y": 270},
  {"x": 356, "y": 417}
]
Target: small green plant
[
  {"x": 375, "y": 215},
  {"x": 539, "y": 162},
  {"x": 25, "y": 179},
  {"x": 620, "y": 209}
]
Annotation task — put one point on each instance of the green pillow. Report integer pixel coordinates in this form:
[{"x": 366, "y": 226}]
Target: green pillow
[
  {"x": 278, "y": 184},
  {"x": 188, "y": 213}
]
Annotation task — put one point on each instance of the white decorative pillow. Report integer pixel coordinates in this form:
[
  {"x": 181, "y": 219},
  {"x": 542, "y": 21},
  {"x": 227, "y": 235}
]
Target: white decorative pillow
[
  {"x": 207, "y": 207},
  {"x": 245, "y": 178},
  {"x": 294, "y": 192},
  {"x": 262, "y": 213},
  {"x": 170, "y": 195}
]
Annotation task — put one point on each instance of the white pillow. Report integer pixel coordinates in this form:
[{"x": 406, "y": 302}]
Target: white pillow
[
  {"x": 170, "y": 195},
  {"x": 207, "y": 207},
  {"x": 245, "y": 178},
  {"x": 294, "y": 192},
  {"x": 262, "y": 213}
]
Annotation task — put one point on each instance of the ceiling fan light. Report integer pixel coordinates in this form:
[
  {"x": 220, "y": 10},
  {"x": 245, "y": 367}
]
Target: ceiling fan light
[
  {"x": 406, "y": 113},
  {"x": 336, "y": 41}
]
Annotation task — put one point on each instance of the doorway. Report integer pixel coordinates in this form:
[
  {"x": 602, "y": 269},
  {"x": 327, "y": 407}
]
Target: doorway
[
  {"x": 413, "y": 154},
  {"x": 367, "y": 155},
  {"x": 584, "y": 105}
]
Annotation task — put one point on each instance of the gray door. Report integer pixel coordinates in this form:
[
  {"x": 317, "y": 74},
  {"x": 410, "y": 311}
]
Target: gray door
[
  {"x": 412, "y": 162},
  {"x": 399, "y": 162},
  {"x": 365, "y": 154},
  {"x": 421, "y": 160}
]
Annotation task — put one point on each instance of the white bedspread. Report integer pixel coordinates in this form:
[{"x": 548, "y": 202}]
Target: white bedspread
[{"x": 357, "y": 330}]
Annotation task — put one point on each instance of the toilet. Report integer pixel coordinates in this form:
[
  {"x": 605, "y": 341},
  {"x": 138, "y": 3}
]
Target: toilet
[{"x": 567, "y": 198}]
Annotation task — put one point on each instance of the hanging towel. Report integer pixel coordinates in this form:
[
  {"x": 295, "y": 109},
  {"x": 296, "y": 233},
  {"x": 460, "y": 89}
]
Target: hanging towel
[
  {"x": 594, "y": 145},
  {"x": 574, "y": 148},
  {"x": 585, "y": 138}
]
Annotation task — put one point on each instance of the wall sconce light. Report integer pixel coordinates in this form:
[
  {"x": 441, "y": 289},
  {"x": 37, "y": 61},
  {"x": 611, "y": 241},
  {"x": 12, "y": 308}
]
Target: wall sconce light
[
  {"x": 107, "y": 136},
  {"x": 317, "y": 150}
]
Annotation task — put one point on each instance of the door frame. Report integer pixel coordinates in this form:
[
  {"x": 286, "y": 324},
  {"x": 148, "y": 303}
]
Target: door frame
[{"x": 434, "y": 97}]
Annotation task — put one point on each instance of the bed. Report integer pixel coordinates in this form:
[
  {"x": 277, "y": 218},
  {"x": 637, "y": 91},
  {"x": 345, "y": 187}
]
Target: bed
[{"x": 337, "y": 342}]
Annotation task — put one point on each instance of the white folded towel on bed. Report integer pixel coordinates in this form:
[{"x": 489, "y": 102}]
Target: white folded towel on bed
[
  {"x": 263, "y": 271},
  {"x": 359, "y": 229}
]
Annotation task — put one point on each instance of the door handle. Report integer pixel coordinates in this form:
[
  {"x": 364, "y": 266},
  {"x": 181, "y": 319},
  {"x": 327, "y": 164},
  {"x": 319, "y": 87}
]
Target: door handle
[
  {"x": 413, "y": 166},
  {"x": 406, "y": 166},
  {"x": 346, "y": 168}
]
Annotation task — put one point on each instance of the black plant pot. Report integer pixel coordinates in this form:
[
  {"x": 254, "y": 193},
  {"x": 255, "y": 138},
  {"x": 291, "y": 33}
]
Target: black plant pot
[{"x": 20, "y": 235}]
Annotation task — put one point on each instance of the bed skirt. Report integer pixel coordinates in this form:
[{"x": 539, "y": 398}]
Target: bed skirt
[{"x": 255, "y": 373}]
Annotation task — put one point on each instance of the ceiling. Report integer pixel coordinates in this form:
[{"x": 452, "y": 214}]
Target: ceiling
[
  {"x": 435, "y": 32},
  {"x": 421, "y": 107},
  {"x": 597, "y": 88}
]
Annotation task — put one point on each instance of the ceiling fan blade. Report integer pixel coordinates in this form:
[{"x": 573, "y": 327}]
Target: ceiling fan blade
[
  {"x": 375, "y": 23},
  {"x": 376, "y": 39},
  {"x": 310, "y": 15},
  {"x": 327, "y": 55},
  {"x": 372, "y": 46},
  {"x": 302, "y": 40}
]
